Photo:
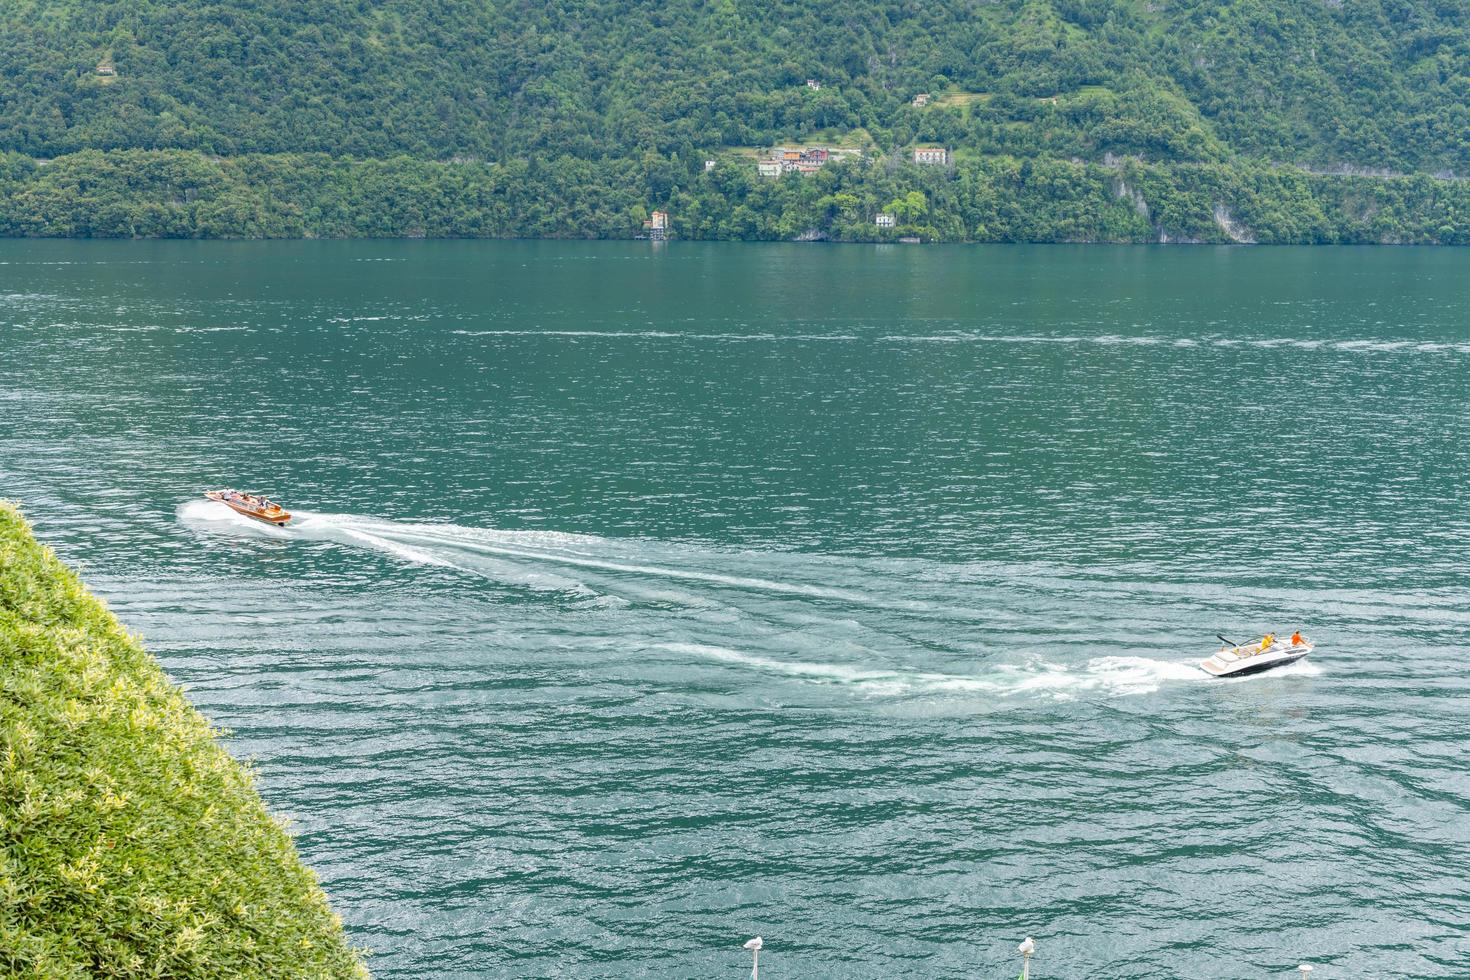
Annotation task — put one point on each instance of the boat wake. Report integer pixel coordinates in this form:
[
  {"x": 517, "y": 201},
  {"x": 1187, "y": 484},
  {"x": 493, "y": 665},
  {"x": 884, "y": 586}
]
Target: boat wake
[
  {"x": 1098, "y": 675},
  {"x": 814, "y": 621}
]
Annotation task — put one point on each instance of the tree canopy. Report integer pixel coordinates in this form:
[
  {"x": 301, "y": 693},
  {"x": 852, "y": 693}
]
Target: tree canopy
[{"x": 648, "y": 88}]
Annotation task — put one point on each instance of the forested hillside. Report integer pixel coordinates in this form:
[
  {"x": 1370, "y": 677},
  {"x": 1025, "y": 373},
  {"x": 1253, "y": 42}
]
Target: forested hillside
[{"x": 634, "y": 95}]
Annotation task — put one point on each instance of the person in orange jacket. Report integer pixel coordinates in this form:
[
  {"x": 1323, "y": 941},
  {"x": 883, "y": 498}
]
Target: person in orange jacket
[{"x": 1296, "y": 639}]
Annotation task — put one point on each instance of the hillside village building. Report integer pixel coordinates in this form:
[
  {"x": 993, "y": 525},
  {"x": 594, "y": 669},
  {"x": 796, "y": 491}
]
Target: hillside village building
[
  {"x": 804, "y": 161},
  {"x": 921, "y": 100},
  {"x": 931, "y": 155},
  {"x": 884, "y": 221},
  {"x": 657, "y": 226},
  {"x": 799, "y": 160}
]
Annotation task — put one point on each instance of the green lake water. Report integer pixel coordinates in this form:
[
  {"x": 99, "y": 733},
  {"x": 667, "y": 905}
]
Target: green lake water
[{"x": 645, "y": 599}]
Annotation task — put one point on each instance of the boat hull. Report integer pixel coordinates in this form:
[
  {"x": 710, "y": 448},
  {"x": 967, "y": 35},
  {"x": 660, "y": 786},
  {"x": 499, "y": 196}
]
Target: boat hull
[
  {"x": 276, "y": 516},
  {"x": 1258, "y": 663}
]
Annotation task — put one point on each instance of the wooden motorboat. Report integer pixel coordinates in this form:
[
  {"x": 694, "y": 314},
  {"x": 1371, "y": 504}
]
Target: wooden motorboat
[
  {"x": 251, "y": 505},
  {"x": 1253, "y": 658}
]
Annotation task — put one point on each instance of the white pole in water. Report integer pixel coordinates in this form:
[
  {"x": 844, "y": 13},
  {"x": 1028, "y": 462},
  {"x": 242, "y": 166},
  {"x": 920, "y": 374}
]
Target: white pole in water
[
  {"x": 1306, "y": 968},
  {"x": 755, "y": 957},
  {"x": 1026, "y": 949}
]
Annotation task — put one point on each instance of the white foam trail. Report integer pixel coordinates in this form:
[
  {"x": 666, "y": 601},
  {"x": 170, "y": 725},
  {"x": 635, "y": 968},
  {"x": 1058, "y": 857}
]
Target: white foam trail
[
  {"x": 204, "y": 510},
  {"x": 1110, "y": 676},
  {"x": 343, "y": 529},
  {"x": 875, "y": 682},
  {"x": 469, "y": 540},
  {"x": 347, "y": 530},
  {"x": 406, "y": 552},
  {"x": 1140, "y": 675}
]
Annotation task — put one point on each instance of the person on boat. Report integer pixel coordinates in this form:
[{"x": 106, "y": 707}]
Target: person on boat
[
  {"x": 1296, "y": 639},
  {"x": 1266, "y": 641}
]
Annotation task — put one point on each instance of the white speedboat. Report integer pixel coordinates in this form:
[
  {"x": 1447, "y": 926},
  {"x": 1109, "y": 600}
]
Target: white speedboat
[{"x": 1254, "y": 657}]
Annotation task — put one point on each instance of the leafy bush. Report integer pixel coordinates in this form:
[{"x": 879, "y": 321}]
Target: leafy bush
[{"x": 131, "y": 843}]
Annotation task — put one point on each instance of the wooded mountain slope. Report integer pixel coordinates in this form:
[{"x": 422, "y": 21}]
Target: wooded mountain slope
[
  {"x": 1070, "y": 120},
  {"x": 1365, "y": 83}
]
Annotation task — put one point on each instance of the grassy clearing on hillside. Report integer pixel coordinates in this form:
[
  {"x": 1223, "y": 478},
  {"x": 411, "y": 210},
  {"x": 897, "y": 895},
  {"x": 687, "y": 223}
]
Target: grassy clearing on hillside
[
  {"x": 962, "y": 99},
  {"x": 836, "y": 139},
  {"x": 131, "y": 843},
  {"x": 840, "y": 139}
]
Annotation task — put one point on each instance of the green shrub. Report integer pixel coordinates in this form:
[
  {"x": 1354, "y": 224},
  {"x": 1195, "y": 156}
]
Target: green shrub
[{"x": 131, "y": 843}]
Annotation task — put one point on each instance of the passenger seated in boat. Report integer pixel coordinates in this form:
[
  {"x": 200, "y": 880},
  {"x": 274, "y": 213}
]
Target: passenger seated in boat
[
  {"x": 1296, "y": 639},
  {"x": 1266, "y": 641}
]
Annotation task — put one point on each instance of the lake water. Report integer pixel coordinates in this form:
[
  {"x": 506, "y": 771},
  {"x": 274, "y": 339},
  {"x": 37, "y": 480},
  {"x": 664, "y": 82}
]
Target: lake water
[{"x": 645, "y": 599}]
